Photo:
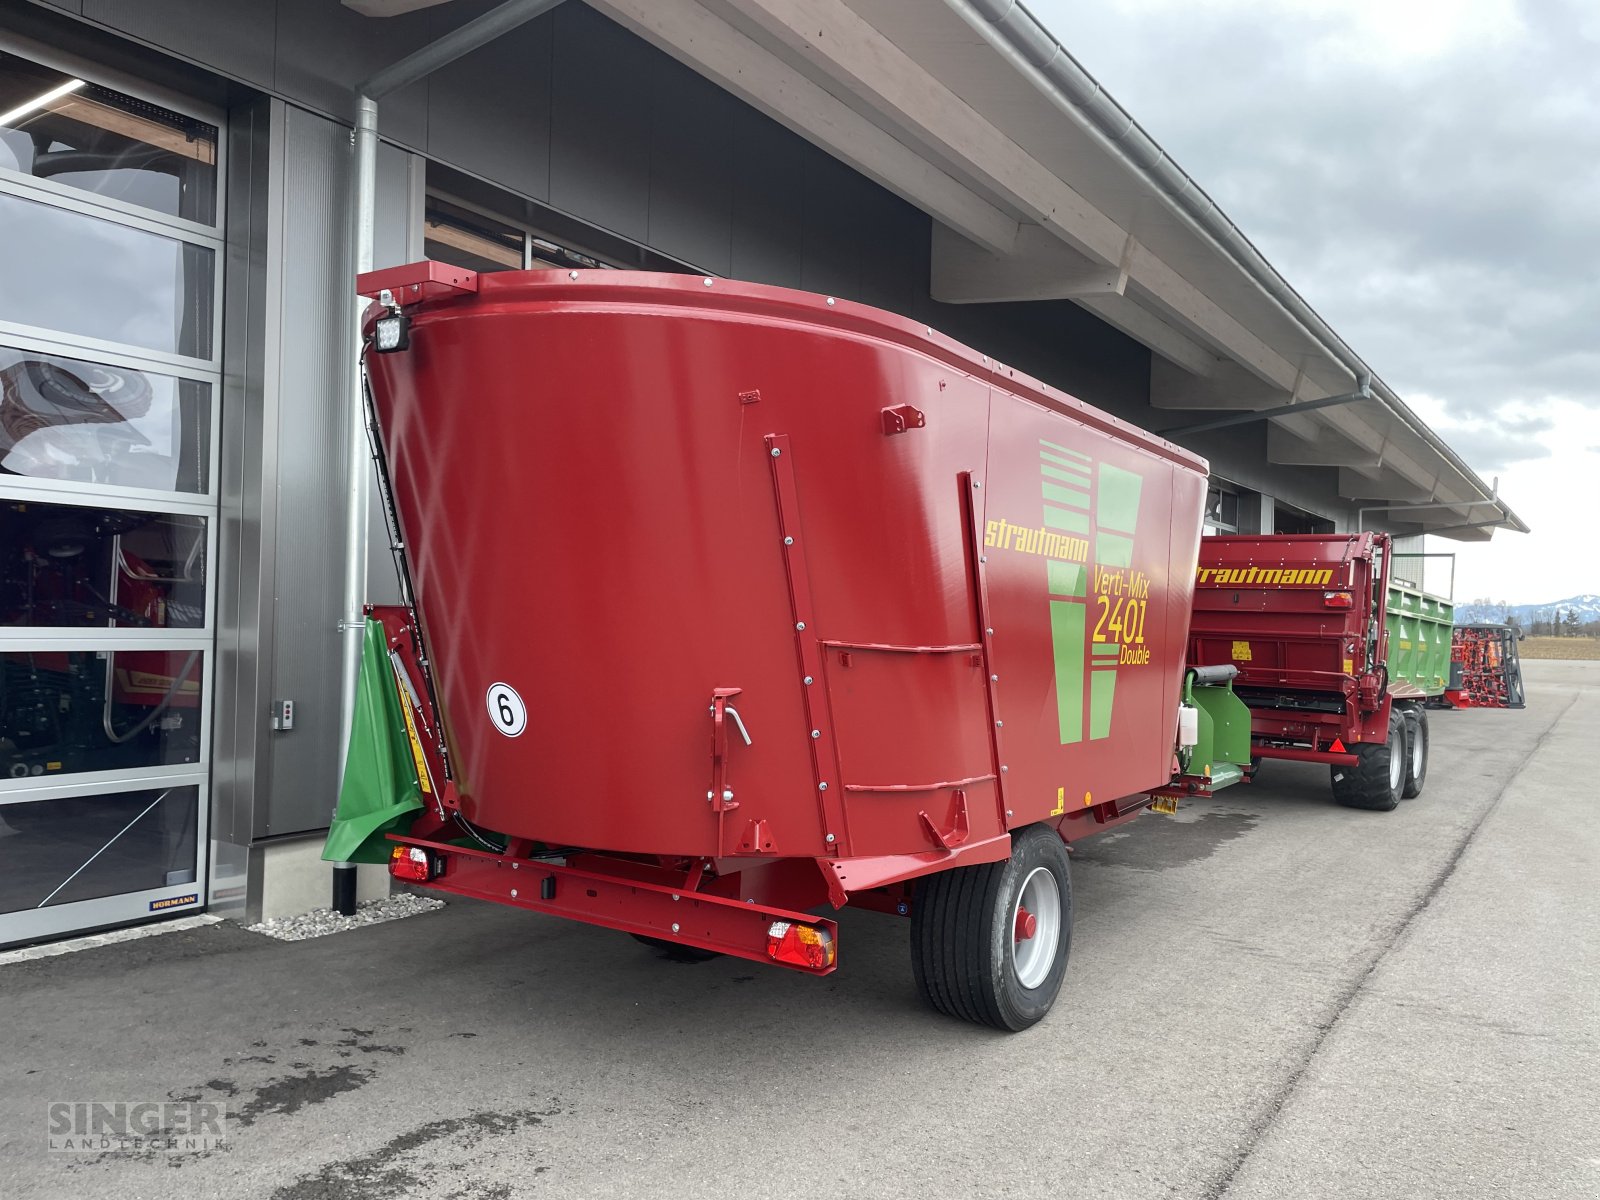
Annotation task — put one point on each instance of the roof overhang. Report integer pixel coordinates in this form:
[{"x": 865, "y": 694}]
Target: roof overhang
[
  {"x": 1043, "y": 188},
  {"x": 389, "y": 8}
]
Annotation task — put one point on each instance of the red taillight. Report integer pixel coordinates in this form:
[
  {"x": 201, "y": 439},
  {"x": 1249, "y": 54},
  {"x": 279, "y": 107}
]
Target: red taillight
[
  {"x": 800, "y": 945},
  {"x": 1337, "y": 599},
  {"x": 412, "y": 864}
]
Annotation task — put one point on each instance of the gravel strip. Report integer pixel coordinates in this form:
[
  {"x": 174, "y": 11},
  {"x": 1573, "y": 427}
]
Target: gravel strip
[{"x": 320, "y": 921}]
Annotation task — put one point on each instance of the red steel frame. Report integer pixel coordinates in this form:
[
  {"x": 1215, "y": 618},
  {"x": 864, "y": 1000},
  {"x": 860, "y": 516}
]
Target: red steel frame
[{"x": 618, "y": 894}]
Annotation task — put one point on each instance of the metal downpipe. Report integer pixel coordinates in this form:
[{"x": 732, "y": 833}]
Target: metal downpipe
[
  {"x": 353, "y": 622},
  {"x": 363, "y": 223}
]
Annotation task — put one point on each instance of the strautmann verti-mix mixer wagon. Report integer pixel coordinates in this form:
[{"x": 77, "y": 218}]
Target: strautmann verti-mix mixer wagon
[{"x": 727, "y": 603}]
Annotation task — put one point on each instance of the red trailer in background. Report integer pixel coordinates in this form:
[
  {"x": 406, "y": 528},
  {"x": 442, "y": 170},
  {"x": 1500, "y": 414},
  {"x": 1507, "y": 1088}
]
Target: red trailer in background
[
  {"x": 731, "y": 602},
  {"x": 1336, "y": 662}
]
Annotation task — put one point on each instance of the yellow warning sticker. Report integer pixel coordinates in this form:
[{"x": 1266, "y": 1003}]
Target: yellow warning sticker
[
  {"x": 415, "y": 741},
  {"x": 1349, "y": 666},
  {"x": 1241, "y": 652}
]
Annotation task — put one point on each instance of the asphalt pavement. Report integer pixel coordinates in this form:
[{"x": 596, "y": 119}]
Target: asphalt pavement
[{"x": 1269, "y": 996}]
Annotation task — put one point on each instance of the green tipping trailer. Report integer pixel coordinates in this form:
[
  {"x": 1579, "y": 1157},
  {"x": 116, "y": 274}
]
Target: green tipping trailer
[{"x": 1419, "y": 639}]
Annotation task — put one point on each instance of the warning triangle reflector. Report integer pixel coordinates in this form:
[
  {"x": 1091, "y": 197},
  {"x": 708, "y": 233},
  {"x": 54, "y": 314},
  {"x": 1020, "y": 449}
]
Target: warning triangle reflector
[{"x": 1338, "y": 747}]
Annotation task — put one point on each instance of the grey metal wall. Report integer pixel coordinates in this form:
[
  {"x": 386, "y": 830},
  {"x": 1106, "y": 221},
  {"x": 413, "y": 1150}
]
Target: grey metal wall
[
  {"x": 283, "y": 457},
  {"x": 1409, "y": 569},
  {"x": 310, "y": 244},
  {"x": 242, "y": 670}
]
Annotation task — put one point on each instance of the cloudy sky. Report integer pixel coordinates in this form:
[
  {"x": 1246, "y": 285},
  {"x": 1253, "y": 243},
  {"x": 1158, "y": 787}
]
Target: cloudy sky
[{"x": 1426, "y": 173}]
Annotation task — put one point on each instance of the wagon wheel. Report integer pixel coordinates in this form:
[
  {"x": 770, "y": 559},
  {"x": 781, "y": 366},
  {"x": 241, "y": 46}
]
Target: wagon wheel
[
  {"x": 1417, "y": 756},
  {"x": 1379, "y": 776},
  {"x": 989, "y": 943}
]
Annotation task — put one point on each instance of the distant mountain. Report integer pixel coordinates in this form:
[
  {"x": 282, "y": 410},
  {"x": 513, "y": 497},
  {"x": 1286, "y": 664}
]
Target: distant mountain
[{"x": 1587, "y": 606}]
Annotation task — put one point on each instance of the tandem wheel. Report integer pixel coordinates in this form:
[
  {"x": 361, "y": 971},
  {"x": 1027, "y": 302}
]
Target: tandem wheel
[
  {"x": 1379, "y": 776},
  {"x": 1417, "y": 754}
]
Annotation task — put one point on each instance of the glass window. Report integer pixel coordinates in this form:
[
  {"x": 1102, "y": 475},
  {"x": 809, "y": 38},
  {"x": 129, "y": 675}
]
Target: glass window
[
  {"x": 65, "y": 418},
  {"x": 547, "y": 254},
  {"x": 64, "y": 849},
  {"x": 465, "y": 239},
  {"x": 78, "y": 274},
  {"x": 66, "y": 711},
  {"x": 73, "y": 567},
  {"x": 1222, "y": 510},
  {"x": 57, "y": 127},
  {"x": 1294, "y": 520}
]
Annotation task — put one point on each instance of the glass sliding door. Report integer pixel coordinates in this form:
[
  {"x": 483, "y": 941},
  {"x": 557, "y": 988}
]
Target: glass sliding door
[{"x": 110, "y": 365}]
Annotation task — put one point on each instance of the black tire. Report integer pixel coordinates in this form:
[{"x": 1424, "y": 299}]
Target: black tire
[
  {"x": 1416, "y": 753},
  {"x": 1378, "y": 778},
  {"x": 963, "y": 934},
  {"x": 676, "y": 951}
]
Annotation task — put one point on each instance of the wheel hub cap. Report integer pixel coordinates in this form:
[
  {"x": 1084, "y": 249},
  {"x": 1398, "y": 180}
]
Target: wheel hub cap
[{"x": 1027, "y": 925}]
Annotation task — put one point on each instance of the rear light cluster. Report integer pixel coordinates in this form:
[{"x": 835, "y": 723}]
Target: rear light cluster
[
  {"x": 1338, "y": 600},
  {"x": 413, "y": 864},
  {"x": 800, "y": 945}
]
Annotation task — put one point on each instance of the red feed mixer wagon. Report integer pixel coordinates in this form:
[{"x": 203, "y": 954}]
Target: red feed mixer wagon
[{"x": 728, "y": 603}]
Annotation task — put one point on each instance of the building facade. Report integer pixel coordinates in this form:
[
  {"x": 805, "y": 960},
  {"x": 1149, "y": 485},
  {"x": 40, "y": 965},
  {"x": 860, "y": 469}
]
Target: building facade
[{"x": 176, "y": 348}]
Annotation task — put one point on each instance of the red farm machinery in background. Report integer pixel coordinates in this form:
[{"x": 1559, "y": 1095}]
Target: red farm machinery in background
[
  {"x": 1337, "y": 659},
  {"x": 1485, "y": 668},
  {"x": 728, "y": 603}
]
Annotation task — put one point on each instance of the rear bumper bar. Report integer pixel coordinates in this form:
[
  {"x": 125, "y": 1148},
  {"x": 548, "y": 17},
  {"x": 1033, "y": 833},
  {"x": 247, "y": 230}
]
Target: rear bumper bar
[
  {"x": 633, "y": 906},
  {"x": 1297, "y": 755}
]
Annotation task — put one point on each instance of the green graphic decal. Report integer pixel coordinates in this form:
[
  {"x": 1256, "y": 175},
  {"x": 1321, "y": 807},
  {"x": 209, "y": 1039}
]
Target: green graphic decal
[
  {"x": 1102, "y": 688},
  {"x": 1067, "y": 579},
  {"x": 1119, "y": 498},
  {"x": 1066, "y": 633},
  {"x": 1089, "y": 515},
  {"x": 1099, "y": 605}
]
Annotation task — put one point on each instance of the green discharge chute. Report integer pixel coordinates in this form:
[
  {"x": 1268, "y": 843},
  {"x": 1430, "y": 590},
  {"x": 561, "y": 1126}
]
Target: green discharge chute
[{"x": 380, "y": 788}]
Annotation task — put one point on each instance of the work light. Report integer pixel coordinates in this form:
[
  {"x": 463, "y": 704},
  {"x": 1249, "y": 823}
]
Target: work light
[{"x": 392, "y": 333}]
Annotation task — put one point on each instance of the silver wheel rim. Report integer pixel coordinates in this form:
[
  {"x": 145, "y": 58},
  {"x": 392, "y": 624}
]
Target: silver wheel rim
[
  {"x": 1397, "y": 760},
  {"x": 1416, "y": 752},
  {"x": 1033, "y": 956}
]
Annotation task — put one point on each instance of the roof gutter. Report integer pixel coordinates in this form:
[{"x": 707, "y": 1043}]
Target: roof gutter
[{"x": 1018, "y": 36}]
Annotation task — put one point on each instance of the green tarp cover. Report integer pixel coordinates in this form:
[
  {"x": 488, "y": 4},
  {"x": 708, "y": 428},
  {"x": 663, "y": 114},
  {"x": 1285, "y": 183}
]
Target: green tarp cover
[{"x": 380, "y": 787}]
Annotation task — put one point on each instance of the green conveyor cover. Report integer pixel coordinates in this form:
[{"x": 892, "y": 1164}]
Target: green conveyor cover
[{"x": 380, "y": 777}]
